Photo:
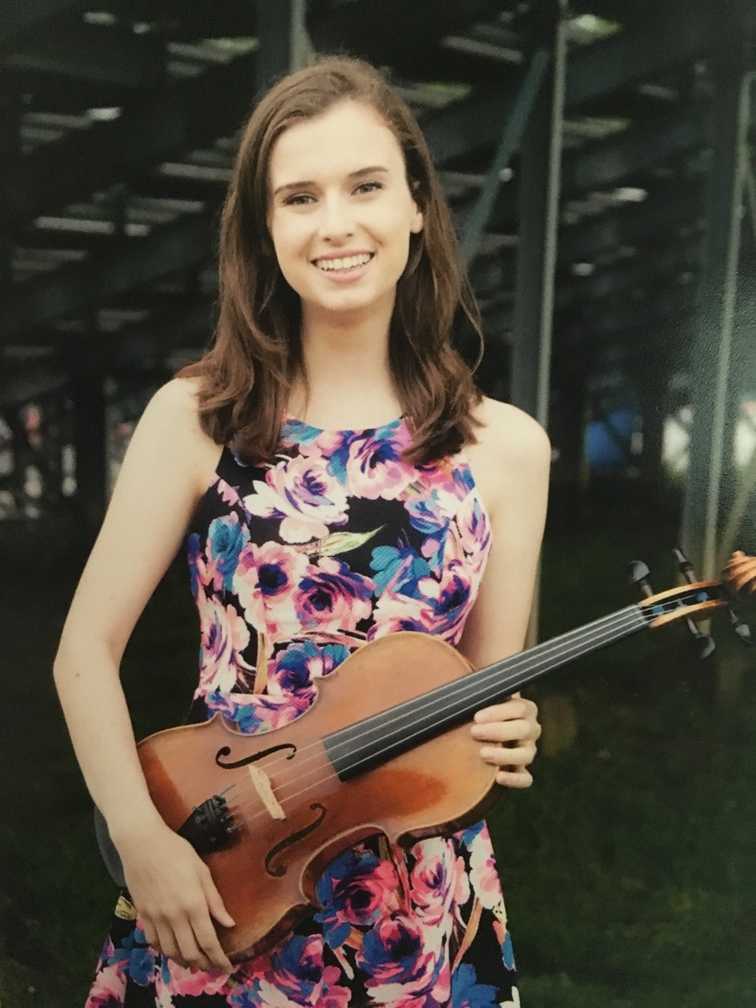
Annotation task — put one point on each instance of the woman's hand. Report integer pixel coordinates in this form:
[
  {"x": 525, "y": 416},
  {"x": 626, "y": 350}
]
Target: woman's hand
[
  {"x": 514, "y": 726},
  {"x": 175, "y": 897}
]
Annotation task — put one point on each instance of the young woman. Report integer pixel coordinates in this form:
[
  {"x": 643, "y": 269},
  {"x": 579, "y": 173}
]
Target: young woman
[{"x": 331, "y": 402}]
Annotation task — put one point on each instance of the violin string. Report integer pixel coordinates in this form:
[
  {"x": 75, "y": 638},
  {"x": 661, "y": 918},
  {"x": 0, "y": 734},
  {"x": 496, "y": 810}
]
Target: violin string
[
  {"x": 494, "y": 671},
  {"x": 332, "y": 774},
  {"x": 480, "y": 696},
  {"x": 461, "y": 691}
]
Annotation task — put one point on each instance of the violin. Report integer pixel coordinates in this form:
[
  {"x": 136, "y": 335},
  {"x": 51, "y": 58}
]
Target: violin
[{"x": 268, "y": 812}]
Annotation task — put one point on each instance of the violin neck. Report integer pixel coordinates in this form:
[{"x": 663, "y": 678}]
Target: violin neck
[{"x": 379, "y": 738}]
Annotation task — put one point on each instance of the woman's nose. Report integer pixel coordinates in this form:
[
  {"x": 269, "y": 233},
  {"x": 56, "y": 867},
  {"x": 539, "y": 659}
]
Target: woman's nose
[{"x": 335, "y": 219}]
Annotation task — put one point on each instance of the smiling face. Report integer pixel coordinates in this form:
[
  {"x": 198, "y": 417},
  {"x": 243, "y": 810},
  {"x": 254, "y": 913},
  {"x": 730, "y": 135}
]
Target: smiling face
[{"x": 340, "y": 211}]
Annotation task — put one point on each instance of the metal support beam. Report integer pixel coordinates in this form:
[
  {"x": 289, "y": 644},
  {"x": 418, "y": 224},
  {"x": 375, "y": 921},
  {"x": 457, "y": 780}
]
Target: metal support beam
[
  {"x": 91, "y": 54},
  {"x": 510, "y": 141},
  {"x": 180, "y": 117},
  {"x": 540, "y": 169},
  {"x": 712, "y": 378},
  {"x": 283, "y": 40},
  {"x": 20, "y": 19},
  {"x": 539, "y": 201},
  {"x": 10, "y": 156}
]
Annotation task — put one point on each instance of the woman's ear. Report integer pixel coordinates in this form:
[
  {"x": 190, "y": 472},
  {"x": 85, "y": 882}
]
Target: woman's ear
[{"x": 416, "y": 224}]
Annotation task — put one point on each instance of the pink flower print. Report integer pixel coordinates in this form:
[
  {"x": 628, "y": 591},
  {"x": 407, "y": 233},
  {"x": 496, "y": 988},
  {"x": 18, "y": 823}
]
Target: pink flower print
[
  {"x": 295, "y": 667},
  {"x": 333, "y": 995},
  {"x": 188, "y": 983},
  {"x": 327, "y": 443},
  {"x": 473, "y": 527},
  {"x": 394, "y": 612},
  {"x": 302, "y": 493},
  {"x": 427, "y": 516},
  {"x": 109, "y": 988},
  {"x": 374, "y": 466},
  {"x": 332, "y": 597},
  {"x": 450, "y": 598},
  {"x": 265, "y": 582},
  {"x": 404, "y": 963},
  {"x": 483, "y": 875},
  {"x": 355, "y": 890},
  {"x": 223, "y": 637},
  {"x": 252, "y": 713},
  {"x": 439, "y": 473},
  {"x": 227, "y": 493},
  {"x": 438, "y": 883},
  {"x": 292, "y": 975}
]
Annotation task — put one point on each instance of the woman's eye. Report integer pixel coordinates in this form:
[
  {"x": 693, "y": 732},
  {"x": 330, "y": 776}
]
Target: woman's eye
[{"x": 302, "y": 199}]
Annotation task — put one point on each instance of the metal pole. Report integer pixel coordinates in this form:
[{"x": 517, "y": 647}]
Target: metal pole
[{"x": 712, "y": 351}]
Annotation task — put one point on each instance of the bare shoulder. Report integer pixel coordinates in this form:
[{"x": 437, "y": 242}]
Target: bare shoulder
[
  {"x": 512, "y": 436},
  {"x": 175, "y": 406},
  {"x": 178, "y": 398}
]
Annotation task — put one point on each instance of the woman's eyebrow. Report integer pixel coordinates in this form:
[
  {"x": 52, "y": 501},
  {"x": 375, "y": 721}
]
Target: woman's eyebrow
[{"x": 352, "y": 175}]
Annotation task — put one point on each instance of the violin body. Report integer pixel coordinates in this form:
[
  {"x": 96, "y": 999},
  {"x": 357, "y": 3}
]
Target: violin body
[{"x": 267, "y": 873}]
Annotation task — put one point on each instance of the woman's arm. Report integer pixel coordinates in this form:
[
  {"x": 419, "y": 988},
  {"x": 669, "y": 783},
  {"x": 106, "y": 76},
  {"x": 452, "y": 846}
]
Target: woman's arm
[
  {"x": 519, "y": 450},
  {"x": 152, "y": 502}
]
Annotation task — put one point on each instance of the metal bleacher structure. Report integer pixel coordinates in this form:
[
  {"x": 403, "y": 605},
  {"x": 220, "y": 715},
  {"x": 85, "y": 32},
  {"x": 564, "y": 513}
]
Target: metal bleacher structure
[{"x": 596, "y": 158}]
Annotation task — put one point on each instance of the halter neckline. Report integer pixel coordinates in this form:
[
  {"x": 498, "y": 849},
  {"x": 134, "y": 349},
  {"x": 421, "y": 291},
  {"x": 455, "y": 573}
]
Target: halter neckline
[{"x": 295, "y": 421}]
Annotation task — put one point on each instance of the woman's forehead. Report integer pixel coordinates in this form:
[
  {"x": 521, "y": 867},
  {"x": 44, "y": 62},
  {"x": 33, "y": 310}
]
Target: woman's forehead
[{"x": 347, "y": 138}]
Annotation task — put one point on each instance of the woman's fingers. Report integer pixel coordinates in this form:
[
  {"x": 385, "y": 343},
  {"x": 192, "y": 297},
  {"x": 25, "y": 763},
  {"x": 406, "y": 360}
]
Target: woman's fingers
[
  {"x": 215, "y": 902},
  {"x": 514, "y": 778},
  {"x": 150, "y": 933},
  {"x": 511, "y": 730},
  {"x": 166, "y": 940},
  {"x": 175, "y": 896},
  {"x": 515, "y": 757},
  {"x": 504, "y": 731},
  {"x": 512, "y": 708},
  {"x": 190, "y": 954},
  {"x": 207, "y": 940},
  {"x": 207, "y": 936}
]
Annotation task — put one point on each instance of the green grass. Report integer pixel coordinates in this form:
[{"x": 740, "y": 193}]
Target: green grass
[{"x": 629, "y": 867}]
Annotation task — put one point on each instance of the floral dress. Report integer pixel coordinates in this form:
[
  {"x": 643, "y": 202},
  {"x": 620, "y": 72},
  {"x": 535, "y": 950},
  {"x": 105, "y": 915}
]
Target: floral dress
[{"x": 294, "y": 564}]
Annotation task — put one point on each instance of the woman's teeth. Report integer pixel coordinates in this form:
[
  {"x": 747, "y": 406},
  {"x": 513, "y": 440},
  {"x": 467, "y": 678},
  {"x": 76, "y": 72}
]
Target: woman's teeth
[{"x": 342, "y": 264}]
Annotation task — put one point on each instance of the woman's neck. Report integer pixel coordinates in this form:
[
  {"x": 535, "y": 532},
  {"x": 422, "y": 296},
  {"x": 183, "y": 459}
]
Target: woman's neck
[{"x": 349, "y": 378}]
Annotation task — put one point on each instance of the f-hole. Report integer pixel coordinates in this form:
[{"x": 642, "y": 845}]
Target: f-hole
[
  {"x": 279, "y": 870},
  {"x": 225, "y": 751}
]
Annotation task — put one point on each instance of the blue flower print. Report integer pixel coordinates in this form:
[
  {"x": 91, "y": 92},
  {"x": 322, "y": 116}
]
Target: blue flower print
[
  {"x": 468, "y": 993},
  {"x": 226, "y": 538},
  {"x": 401, "y": 565},
  {"x": 136, "y": 957}
]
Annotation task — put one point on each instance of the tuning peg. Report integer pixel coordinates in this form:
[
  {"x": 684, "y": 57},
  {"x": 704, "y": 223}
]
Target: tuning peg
[
  {"x": 705, "y": 642},
  {"x": 638, "y": 572},
  {"x": 742, "y": 629},
  {"x": 684, "y": 565}
]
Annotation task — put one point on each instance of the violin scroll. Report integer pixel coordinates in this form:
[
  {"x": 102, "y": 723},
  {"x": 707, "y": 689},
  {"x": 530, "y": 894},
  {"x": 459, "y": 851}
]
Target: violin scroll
[{"x": 740, "y": 572}]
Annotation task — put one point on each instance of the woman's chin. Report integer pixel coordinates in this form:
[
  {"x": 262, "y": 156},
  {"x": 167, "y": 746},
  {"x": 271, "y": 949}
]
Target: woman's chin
[{"x": 344, "y": 301}]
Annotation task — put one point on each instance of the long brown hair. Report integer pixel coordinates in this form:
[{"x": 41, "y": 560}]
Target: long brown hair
[{"x": 247, "y": 372}]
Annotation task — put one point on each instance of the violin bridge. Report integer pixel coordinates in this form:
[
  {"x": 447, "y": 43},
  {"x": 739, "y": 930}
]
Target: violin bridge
[{"x": 261, "y": 784}]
